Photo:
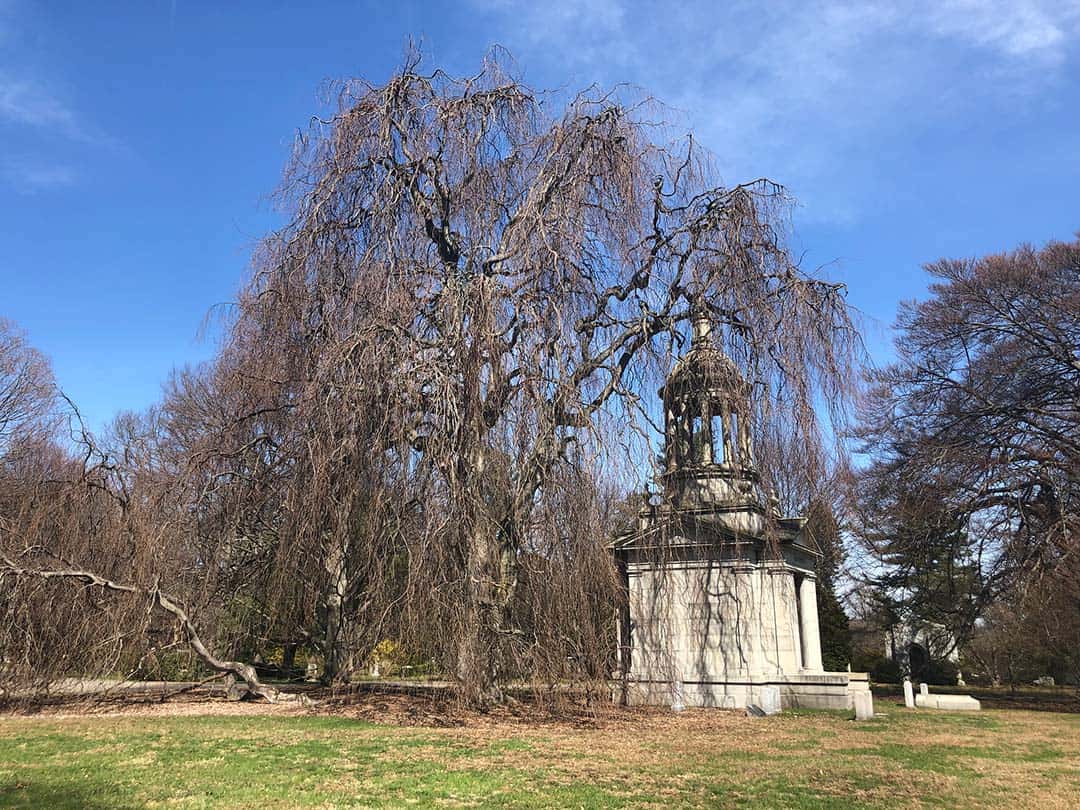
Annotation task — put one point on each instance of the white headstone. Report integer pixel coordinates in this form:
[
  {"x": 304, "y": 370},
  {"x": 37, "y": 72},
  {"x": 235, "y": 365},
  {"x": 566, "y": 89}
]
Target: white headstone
[
  {"x": 909, "y": 694},
  {"x": 864, "y": 706},
  {"x": 924, "y": 688},
  {"x": 770, "y": 699}
]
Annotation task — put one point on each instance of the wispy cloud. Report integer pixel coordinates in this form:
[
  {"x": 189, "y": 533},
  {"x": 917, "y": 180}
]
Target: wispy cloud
[
  {"x": 50, "y": 132},
  {"x": 29, "y": 175},
  {"x": 25, "y": 101},
  {"x": 797, "y": 89},
  {"x": 1019, "y": 29},
  {"x": 31, "y": 102},
  {"x": 38, "y": 122}
]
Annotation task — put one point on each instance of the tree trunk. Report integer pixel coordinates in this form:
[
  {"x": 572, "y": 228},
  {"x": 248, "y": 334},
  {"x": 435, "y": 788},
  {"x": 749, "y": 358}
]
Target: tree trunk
[
  {"x": 288, "y": 659},
  {"x": 335, "y": 658},
  {"x": 478, "y": 644}
]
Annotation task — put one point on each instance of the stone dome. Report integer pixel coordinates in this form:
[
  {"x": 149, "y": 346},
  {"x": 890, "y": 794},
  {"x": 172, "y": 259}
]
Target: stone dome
[{"x": 705, "y": 369}]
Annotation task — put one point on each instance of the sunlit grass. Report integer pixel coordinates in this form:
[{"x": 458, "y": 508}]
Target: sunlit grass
[{"x": 700, "y": 758}]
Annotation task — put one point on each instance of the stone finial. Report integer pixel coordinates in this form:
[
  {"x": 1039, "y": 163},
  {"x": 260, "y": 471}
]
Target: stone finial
[{"x": 702, "y": 327}]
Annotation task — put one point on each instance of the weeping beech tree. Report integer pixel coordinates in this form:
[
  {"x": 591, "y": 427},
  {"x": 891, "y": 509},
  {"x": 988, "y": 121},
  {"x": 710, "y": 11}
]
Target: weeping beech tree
[
  {"x": 461, "y": 329},
  {"x": 433, "y": 387}
]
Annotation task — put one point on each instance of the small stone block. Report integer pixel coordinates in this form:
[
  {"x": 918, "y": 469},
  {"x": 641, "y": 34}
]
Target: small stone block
[
  {"x": 864, "y": 706},
  {"x": 770, "y": 699},
  {"x": 678, "y": 700}
]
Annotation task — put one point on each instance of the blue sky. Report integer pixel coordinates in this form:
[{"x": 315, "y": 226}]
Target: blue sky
[{"x": 141, "y": 141}]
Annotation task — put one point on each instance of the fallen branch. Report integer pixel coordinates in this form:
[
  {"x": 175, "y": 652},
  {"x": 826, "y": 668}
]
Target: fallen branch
[{"x": 170, "y": 605}]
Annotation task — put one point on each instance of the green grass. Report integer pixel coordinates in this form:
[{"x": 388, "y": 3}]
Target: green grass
[{"x": 697, "y": 759}]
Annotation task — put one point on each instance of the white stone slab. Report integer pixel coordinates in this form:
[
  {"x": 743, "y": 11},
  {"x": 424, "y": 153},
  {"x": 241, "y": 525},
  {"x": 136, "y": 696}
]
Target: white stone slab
[
  {"x": 909, "y": 694},
  {"x": 954, "y": 703}
]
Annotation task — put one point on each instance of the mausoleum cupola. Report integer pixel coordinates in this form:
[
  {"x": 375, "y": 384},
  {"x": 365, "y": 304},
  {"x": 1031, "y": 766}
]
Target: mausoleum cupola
[{"x": 707, "y": 426}]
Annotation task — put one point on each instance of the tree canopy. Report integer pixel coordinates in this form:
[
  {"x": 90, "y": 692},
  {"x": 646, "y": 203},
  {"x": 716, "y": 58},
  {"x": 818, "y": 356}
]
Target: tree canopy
[{"x": 973, "y": 492}]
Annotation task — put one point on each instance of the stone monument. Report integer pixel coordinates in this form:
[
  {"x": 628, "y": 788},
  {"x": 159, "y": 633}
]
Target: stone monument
[{"x": 721, "y": 589}]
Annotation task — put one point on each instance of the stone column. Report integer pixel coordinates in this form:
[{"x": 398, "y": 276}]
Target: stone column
[
  {"x": 745, "y": 454},
  {"x": 811, "y": 636},
  {"x": 706, "y": 430},
  {"x": 791, "y": 619},
  {"x": 725, "y": 422},
  {"x": 671, "y": 437}
]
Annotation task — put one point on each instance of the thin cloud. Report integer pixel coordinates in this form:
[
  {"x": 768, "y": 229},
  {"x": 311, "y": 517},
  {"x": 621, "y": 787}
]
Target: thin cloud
[
  {"x": 28, "y": 102},
  {"x": 30, "y": 175},
  {"x": 32, "y": 103},
  {"x": 44, "y": 131}
]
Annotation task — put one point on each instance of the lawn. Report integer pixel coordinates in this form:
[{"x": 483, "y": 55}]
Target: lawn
[{"x": 266, "y": 757}]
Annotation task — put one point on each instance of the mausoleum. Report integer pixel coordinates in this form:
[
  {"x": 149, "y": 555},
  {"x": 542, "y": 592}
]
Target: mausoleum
[{"x": 721, "y": 589}]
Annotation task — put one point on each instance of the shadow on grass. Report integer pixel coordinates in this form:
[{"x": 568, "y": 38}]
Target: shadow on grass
[{"x": 96, "y": 796}]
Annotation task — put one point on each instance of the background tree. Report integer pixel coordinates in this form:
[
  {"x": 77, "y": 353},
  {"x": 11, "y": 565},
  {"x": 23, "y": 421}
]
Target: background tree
[
  {"x": 53, "y": 506},
  {"x": 836, "y": 652},
  {"x": 972, "y": 495},
  {"x": 926, "y": 577},
  {"x": 27, "y": 391}
]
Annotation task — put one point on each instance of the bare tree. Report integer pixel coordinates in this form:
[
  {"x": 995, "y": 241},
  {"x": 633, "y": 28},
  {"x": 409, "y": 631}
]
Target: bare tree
[
  {"x": 27, "y": 391},
  {"x": 439, "y": 369},
  {"x": 74, "y": 518},
  {"x": 467, "y": 314}
]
